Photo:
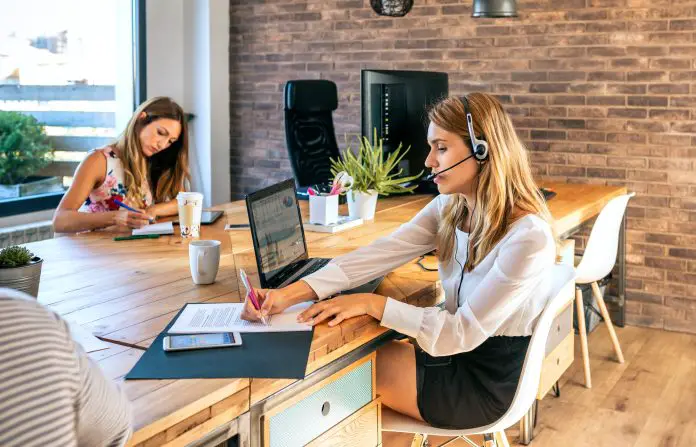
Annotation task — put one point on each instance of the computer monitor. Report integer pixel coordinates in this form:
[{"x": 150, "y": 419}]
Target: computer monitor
[{"x": 395, "y": 103}]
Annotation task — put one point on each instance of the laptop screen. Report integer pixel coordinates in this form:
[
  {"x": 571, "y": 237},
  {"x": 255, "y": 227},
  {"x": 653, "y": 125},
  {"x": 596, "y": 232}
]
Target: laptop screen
[{"x": 277, "y": 228}]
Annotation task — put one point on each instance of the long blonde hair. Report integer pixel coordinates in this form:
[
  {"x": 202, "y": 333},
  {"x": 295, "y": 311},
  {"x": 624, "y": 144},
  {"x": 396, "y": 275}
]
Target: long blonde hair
[
  {"x": 504, "y": 181},
  {"x": 171, "y": 164}
]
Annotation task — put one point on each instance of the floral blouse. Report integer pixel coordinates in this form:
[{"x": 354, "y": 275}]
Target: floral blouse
[{"x": 102, "y": 198}]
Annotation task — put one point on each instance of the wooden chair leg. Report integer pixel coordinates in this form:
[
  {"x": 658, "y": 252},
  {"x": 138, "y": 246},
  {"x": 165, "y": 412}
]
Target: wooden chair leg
[
  {"x": 607, "y": 320},
  {"x": 583, "y": 336},
  {"x": 489, "y": 440},
  {"x": 419, "y": 440},
  {"x": 501, "y": 439}
]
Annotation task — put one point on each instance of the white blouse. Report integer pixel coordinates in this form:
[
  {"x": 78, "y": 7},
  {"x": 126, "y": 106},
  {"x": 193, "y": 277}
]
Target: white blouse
[{"x": 502, "y": 295}]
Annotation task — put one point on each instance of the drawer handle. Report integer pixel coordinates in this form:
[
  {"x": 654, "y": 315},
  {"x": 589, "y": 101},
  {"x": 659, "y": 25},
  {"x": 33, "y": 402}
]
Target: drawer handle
[
  {"x": 558, "y": 361},
  {"x": 559, "y": 328},
  {"x": 325, "y": 408}
]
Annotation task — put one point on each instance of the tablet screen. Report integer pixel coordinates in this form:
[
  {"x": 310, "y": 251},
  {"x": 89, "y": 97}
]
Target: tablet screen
[{"x": 207, "y": 217}]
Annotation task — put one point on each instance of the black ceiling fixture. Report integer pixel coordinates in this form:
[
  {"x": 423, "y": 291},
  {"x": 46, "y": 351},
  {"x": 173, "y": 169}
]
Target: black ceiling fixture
[
  {"x": 391, "y": 8},
  {"x": 494, "y": 8}
]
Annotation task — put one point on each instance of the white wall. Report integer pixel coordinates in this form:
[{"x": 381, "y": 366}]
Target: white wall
[{"x": 187, "y": 59}]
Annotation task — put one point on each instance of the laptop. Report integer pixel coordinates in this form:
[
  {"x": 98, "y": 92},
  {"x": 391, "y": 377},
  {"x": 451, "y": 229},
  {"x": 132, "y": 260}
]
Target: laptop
[{"x": 279, "y": 241}]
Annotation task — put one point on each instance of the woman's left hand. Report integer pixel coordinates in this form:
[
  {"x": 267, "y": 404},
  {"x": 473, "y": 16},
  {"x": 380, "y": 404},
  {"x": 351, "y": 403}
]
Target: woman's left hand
[{"x": 343, "y": 307}]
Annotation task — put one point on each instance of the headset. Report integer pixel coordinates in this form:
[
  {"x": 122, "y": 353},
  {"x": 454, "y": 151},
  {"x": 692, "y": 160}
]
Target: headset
[{"x": 479, "y": 146}]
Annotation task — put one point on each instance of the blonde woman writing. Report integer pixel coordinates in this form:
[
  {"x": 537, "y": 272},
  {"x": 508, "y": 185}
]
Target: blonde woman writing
[
  {"x": 495, "y": 248},
  {"x": 145, "y": 169}
]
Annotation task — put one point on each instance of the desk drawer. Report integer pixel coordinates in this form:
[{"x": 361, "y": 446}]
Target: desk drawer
[
  {"x": 327, "y": 404},
  {"x": 362, "y": 429},
  {"x": 560, "y": 328},
  {"x": 555, "y": 364}
]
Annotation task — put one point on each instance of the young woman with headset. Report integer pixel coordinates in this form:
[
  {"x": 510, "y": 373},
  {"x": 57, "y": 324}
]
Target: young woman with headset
[{"x": 495, "y": 245}]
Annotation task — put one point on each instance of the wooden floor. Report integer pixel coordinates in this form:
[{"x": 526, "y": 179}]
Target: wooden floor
[{"x": 649, "y": 401}]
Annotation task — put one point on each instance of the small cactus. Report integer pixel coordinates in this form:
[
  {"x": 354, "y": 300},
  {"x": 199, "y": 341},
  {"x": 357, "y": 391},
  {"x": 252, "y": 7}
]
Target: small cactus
[{"x": 15, "y": 256}]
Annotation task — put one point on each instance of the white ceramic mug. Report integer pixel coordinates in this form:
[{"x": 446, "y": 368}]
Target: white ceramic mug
[
  {"x": 204, "y": 259},
  {"x": 190, "y": 209}
]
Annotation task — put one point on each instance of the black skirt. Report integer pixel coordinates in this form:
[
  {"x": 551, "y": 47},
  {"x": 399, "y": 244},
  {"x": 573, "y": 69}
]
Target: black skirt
[{"x": 471, "y": 389}]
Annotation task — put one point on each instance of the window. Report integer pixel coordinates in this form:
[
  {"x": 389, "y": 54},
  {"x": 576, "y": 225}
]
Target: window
[{"x": 73, "y": 66}]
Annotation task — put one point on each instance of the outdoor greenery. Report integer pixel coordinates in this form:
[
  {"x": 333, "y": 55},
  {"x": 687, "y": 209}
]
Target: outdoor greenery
[
  {"x": 370, "y": 170},
  {"x": 15, "y": 256},
  {"x": 24, "y": 147}
]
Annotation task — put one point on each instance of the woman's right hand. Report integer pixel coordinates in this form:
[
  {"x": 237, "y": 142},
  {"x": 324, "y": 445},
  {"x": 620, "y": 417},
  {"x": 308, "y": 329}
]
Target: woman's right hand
[
  {"x": 272, "y": 301},
  {"x": 125, "y": 218}
]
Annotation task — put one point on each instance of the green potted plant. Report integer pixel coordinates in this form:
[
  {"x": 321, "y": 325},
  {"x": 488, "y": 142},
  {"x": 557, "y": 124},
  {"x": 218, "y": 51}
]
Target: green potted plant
[
  {"x": 372, "y": 175},
  {"x": 24, "y": 150},
  {"x": 20, "y": 270}
]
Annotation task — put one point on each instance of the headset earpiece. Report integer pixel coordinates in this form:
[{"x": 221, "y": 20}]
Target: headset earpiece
[
  {"x": 481, "y": 152},
  {"x": 478, "y": 147}
]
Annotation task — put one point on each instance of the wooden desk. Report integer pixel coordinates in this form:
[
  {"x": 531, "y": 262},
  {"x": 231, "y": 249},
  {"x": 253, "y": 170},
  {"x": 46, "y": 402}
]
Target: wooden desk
[
  {"x": 128, "y": 291},
  {"x": 573, "y": 206}
]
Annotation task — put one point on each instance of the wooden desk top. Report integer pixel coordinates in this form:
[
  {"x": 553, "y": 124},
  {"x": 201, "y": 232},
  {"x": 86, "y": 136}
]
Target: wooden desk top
[
  {"x": 575, "y": 204},
  {"x": 128, "y": 291}
]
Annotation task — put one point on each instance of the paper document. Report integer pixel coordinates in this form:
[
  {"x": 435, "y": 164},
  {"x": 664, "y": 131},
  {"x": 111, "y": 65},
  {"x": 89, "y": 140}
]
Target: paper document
[
  {"x": 158, "y": 228},
  {"x": 227, "y": 317},
  {"x": 84, "y": 338}
]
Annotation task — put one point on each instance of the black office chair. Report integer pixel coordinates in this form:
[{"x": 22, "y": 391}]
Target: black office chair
[{"x": 309, "y": 131}]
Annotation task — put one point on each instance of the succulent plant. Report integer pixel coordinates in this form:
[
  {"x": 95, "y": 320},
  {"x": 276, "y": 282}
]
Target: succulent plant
[
  {"x": 15, "y": 256},
  {"x": 372, "y": 171}
]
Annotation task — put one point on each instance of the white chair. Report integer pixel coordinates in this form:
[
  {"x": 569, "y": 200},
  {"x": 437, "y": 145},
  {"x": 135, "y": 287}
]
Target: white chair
[
  {"x": 525, "y": 395},
  {"x": 596, "y": 263}
]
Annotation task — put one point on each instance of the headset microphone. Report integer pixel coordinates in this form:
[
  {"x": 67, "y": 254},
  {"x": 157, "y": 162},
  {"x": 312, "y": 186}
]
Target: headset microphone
[{"x": 435, "y": 174}]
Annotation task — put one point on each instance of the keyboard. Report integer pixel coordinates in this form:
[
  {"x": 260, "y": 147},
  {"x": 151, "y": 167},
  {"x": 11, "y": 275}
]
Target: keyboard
[
  {"x": 316, "y": 265},
  {"x": 299, "y": 270}
]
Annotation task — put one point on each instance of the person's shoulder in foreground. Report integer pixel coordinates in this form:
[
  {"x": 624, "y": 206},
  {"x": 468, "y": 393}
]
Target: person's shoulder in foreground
[{"x": 51, "y": 393}]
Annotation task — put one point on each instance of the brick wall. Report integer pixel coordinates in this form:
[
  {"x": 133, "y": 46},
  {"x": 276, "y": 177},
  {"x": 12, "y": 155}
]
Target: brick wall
[{"x": 603, "y": 91}]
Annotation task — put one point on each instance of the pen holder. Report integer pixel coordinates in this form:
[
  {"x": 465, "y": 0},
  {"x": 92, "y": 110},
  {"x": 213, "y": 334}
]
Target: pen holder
[{"x": 323, "y": 210}]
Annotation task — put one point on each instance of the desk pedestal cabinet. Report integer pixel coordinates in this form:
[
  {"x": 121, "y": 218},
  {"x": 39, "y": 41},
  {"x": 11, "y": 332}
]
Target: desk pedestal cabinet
[
  {"x": 559, "y": 348},
  {"x": 340, "y": 410}
]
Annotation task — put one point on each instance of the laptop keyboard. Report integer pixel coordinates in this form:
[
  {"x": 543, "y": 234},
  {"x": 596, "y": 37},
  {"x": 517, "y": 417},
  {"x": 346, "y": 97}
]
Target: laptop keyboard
[
  {"x": 316, "y": 265},
  {"x": 293, "y": 274}
]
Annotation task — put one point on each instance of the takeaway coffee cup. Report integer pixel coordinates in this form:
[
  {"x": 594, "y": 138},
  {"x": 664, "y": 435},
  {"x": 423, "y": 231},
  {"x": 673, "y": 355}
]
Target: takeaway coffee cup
[{"x": 190, "y": 209}]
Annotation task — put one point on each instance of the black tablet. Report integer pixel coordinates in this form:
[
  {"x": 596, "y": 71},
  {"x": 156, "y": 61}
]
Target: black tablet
[{"x": 207, "y": 217}]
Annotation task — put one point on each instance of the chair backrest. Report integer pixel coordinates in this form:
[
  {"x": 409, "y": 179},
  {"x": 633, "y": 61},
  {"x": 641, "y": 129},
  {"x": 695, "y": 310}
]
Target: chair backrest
[
  {"x": 309, "y": 129},
  {"x": 600, "y": 254},
  {"x": 562, "y": 291}
]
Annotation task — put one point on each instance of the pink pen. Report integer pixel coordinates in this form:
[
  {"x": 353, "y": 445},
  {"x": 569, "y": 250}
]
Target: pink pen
[
  {"x": 311, "y": 191},
  {"x": 251, "y": 294}
]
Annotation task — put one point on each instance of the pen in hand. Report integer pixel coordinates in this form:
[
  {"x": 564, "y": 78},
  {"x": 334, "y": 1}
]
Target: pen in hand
[
  {"x": 251, "y": 294},
  {"x": 123, "y": 205}
]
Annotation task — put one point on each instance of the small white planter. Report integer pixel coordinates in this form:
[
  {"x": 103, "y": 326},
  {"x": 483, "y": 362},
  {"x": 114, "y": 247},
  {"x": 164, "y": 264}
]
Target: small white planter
[{"x": 362, "y": 205}]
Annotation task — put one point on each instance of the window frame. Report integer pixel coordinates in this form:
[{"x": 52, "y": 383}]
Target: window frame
[{"x": 40, "y": 202}]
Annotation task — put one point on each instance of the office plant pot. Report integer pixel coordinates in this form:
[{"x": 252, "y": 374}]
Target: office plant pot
[
  {"x": 25, "y": 278},
  {"x": 362, "y": 205}
]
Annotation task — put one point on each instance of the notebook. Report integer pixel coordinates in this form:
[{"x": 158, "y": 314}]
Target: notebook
[
  {"x": 85, "y": 338},
  {"x": 158, "y": 228}
]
